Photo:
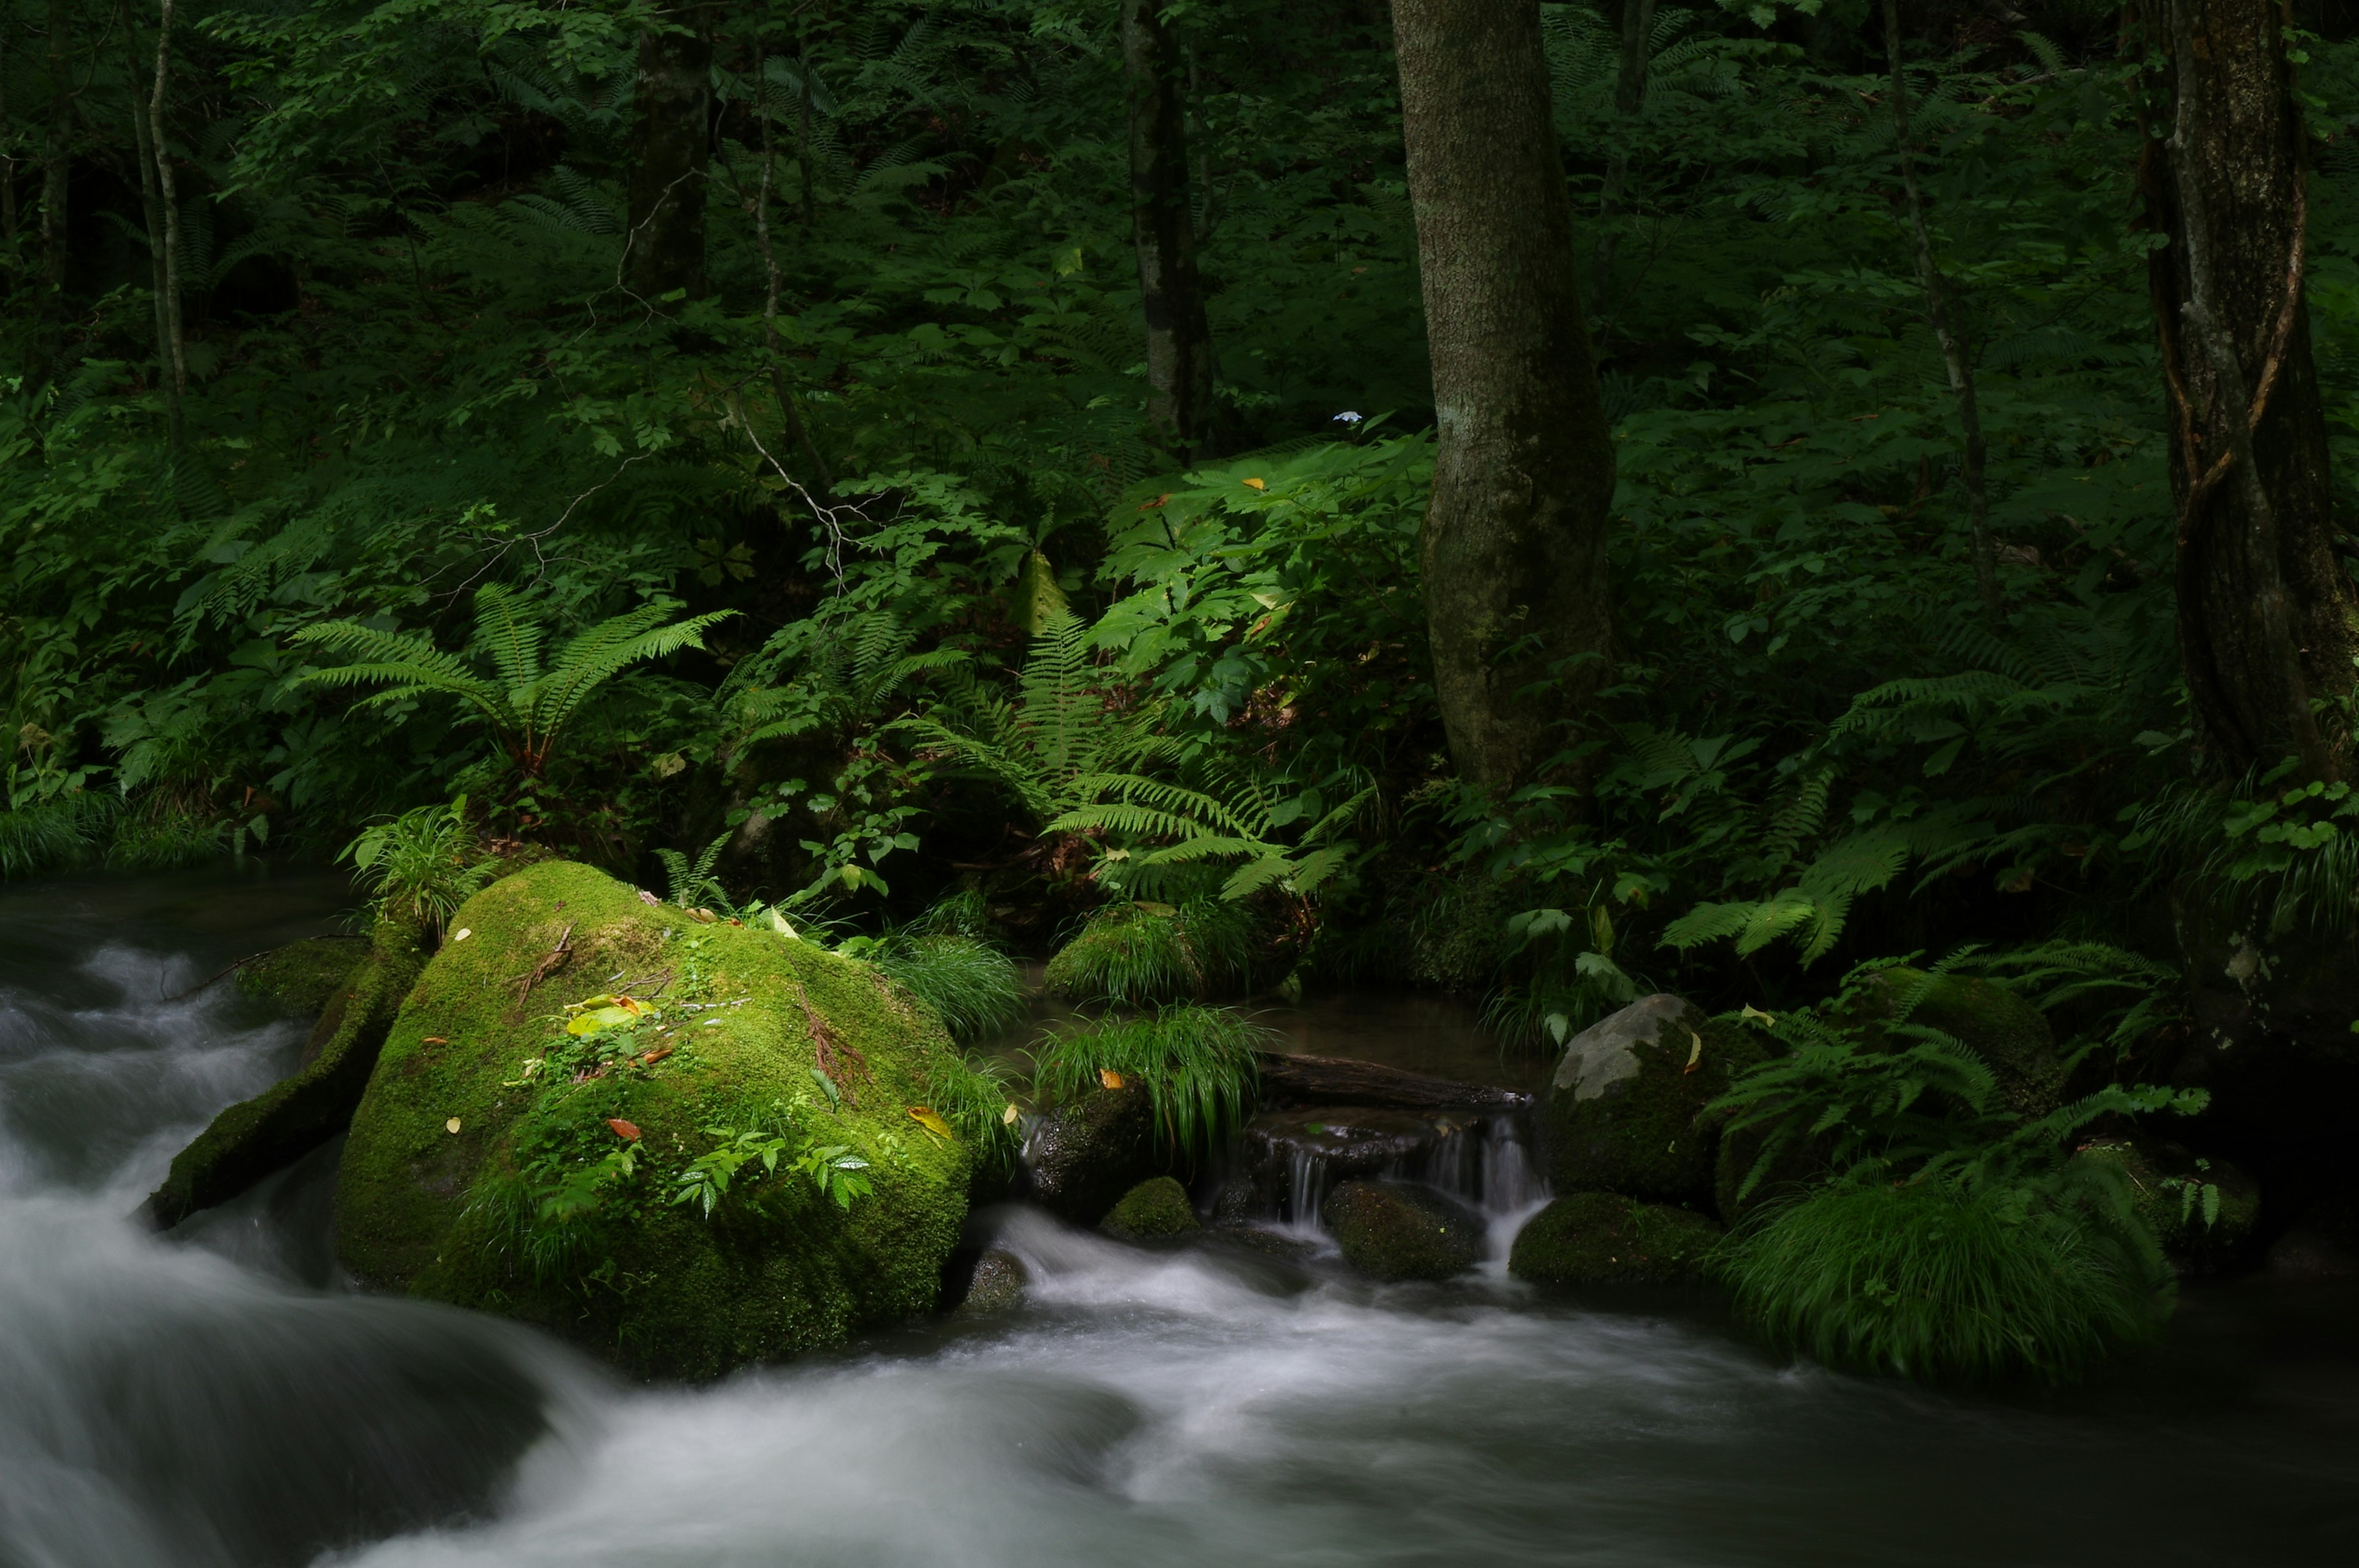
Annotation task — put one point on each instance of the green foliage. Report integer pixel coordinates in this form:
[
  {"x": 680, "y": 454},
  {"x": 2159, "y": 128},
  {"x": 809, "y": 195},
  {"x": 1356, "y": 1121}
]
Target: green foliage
[
  {"x": 1196, "y": 1063},
  {"x": 973, "y": 985},
  {"x": 693, "y": 885},
  {"x": 1144, "y": 952},
  {"x": 420, "y": 867},
  {"x": 52, "y": 834}
]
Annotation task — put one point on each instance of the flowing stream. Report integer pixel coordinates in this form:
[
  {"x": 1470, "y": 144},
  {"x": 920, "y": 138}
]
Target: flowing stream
[{"x": 218, "y": 1397}]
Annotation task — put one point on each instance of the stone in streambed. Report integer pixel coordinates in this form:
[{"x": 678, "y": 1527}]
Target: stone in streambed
[
  {"x": 998, "y": 1284},
  {"x": 1392, "y": 1230},
  {"x": 1592, "y": 1238},
  {"x": 304, "y": 977},
  {"x": 1625, "y": 1111},
  {"x": 1156, "y": 1210},
  {"x": 1084, "y": 1156}
]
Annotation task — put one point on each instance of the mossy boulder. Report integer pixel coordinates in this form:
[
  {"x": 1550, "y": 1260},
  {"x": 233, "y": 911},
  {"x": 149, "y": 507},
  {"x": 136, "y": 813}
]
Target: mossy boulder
[
  {"x": 1085, "y": 1155},
  {"x": 1156, "y": 1210},
  {"x": 278, "y": 1127},
  {"x": 303, "y": 977},
  {"x": 1392, "y": 1230},
  {"x": 1140, "y": 954},
  {"x": 1625, "y": 1107},
  {"x": 2010, "y": 1035},
  {"x": 1597, "y": 1238},
  {"x": 2200, "y": 1233},
  {"x": 520, "y": 1146}
]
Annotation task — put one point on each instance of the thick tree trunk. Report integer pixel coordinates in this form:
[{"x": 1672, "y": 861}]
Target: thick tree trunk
[
  {"x": 1179, "y": 339},
  {"x": 1515, "y": 538},
  {"x": 2265, "y": 614},
  {"x": 665, "y": 247}
]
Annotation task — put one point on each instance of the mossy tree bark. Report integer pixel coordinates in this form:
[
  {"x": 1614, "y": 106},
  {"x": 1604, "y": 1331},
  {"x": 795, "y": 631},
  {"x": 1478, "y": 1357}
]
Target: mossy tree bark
[
  {"x": 673, "y": 146},
  {"x": 1515, "y": 538},
  {"x": 1179, "y": 336},
  {"x": 2266, "y": 616}
]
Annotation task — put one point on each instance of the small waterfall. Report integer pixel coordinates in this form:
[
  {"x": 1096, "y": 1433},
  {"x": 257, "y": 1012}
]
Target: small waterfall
[{"x": 1286, "y": 1163}]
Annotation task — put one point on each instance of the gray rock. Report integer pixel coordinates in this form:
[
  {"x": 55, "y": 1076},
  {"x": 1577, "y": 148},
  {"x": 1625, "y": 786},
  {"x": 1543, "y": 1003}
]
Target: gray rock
[
  {"x": 1085, "y": 1156},
  {"x": 999, "y": 1280},
  {"x": 1625, "y": 1109}
]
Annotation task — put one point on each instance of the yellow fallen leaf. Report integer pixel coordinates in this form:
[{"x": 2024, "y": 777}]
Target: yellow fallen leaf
[
  {"x": 1109, "y": 1077},
  {"x": 1751, "y": 1012},
  {"x": 462, "y": 933},
  {"x": 1257, "y": 484},
  {"x": 931, "y": 1122},
  {"x": 451, "y": 1125},
  {"x": 1696, "y": 1054},
  {"x": 1007, "y": 1118}
]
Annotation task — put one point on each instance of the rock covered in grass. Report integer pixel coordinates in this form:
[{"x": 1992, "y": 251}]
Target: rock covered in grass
[
  {"x": 1141, "y": 954},
  {"x": 2201, "y": 1232},
  {"x": 304, "y": 976},
  {"x": 1590, "y": 1239},
  {"x": 2007, "y": 1033},
  {"x": 529, "y": 1131},
  {"x": 1083, "y": 1156},
  {"x": 1624, "y": 1109},
  {"x": 1393, "y": 1230},
  {"x": 1156, "y": 1210}
]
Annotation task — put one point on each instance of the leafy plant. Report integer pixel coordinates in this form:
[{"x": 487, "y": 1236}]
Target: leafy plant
[
  {"x": 421, "y": 865},
  {"x": 1197, "y": 1064},
  {"x": 694, "y": 886},
  {"x": 1142, "y": 952},
  {"x": 528, "y": 699}
]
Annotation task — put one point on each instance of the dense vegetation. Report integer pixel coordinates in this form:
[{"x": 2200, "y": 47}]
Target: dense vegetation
[{"x": 383, "y": 432}]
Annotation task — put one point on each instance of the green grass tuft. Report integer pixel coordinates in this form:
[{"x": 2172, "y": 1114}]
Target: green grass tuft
[
  {"x": 1142, "y": 954},
  {"x": 1935, "y": 1281},
  {"x": 972, "y": 1093},
  {"x": 974, "y": 985},
  {"x": 53, "y": 835},
  {"x": 1196, "y": 1063}
]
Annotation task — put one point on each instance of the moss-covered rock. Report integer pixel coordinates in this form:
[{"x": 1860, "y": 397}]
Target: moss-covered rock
[
  {"x": 1083, "y": 1156},
  {"x": 1156, "y": 1210},
  {"x": 287, "y": 1121},
  {"x": 507, "y": 1159},
  {"x": 2200, "y": 1233},
  {"x": 1391, "y": 1230},
  {"x": 1625, "y": 1111},
  {"x": 303, "y": 977},
  {"x": 2010, "y": 1035},
  {"x": 1595, "y": 1238},
  {"x": 1145, "y": 953}
]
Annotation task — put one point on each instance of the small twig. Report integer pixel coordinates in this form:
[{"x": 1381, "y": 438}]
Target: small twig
[
  {"x": 549, "y": 964},
  {"x": 231, "y": 970}
]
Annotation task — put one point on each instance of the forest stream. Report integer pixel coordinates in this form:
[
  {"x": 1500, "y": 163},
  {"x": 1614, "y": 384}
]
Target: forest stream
[{"x": 222, "y": 1398}]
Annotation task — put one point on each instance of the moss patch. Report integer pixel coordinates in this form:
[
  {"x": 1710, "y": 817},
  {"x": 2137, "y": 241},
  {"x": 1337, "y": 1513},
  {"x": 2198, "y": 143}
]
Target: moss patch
[
  {"x": 1155, "y": 1210},
  {"x": 275, "y": 1128},
  {"x": 456, "y": 1122},
  {"x": 1591, "y": 1239},
  {"x": 2008, "y": 1034},
  {"x": 1143, "y": 953},
  {"x": 303, "y": 976},
  {"x": 1392, "y": 1231},
  {"x": 2166, "y": 1183},
  {"x": 1644, "y": 1133}
]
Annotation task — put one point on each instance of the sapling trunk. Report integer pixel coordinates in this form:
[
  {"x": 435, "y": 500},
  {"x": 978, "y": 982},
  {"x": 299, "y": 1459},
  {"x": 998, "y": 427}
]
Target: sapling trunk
[{"x": 1178, "y": 337}]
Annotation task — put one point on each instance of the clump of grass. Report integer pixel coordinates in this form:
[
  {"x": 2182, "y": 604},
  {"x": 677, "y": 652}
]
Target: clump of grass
[
  {"x": 973, "y": 985},
  {"x": 421, "y": 865},
  {"x": 52, "y": 834},
  {"x": 1948, "y": 1284},
  {"x": 1196, "y": 1063},
  {"x": 166, "y": 841},
  {"x": 1141, "y": 954},
  {"x": 972, "y": 1093}
]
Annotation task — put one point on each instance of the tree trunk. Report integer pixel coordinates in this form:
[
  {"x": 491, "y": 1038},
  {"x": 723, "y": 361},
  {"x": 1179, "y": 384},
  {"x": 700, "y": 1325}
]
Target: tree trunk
[
  {"x": 1946, "y": 332},
  {"x": 2264, "y": 613},
  {"x": 665, "y": 248},
  {"x": 151, "y": 208},
  {"x": 1514, "y": 539},
  {"x": 57, "y": 154},
  {"x": 175, "y": 343},
  {"x": 1629, "y": 98},
  {"x": 1179, "y": 339}
]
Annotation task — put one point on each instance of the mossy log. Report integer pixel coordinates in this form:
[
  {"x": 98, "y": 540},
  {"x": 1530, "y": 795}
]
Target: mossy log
[
  {"x": 446, "y": 1183},
  {"x": 278, "y": 1127},
  {"x": 1339, "y": 1080}
]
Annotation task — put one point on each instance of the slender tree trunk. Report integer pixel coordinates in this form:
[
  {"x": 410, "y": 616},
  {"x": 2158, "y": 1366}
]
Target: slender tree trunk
[
  {"x": 7, "y": 160},
  {"x": 803, "y": 149},
  {"x": 2266, "y": 616},
  {"x": 176, "y": 341},
  {"x": 151, "y": 208},
  {"x": 789, "y": 408},
  {"x": 1515, "y": 538},
  {"x": 1629, "y": 98},
  {"x": 665, "y": 247},
  {"x": 1946, "y": 331},
  {"x": 57, "y": 155},
  {"x": 1179, "y": 339}
]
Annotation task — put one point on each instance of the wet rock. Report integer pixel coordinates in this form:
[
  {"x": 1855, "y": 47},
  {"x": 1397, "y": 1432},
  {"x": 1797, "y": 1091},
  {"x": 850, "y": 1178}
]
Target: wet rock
[
  {"x": 1084, "y": 1156},
  {"x": 2306, "y": 1253},
  {"x": 1590, "y": 1239},
  {"x": 1393, "y": 1230},
  {"x": 304, "y": 977},
  {"x": 1000, "y": 1278},
  {"x": 2010, "y": 1035},
  {"x": 1625, "y": 1108},
  {"x": 2168, "y": 1185},
  {"x": 1156, "y": 1210}
]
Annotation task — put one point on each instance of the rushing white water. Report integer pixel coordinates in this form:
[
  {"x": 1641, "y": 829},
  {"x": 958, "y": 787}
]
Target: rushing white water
[{"x": 194, "y": 1401}]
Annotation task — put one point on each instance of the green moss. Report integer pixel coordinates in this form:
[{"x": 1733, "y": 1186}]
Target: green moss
[
  {"x": 2166, "y": 1187},
  {"x": 1156, "y": 1209},
  {"x": 303, "y": 976},
  {"x": 659, "y": 1287},
  {"x": 295, "y": 1115},
  {"x": 1587, "y": 1238},
  {"x": 1143, "y": 953},
  {"x": 2010, "y": 1035},
  {"x": 1646, "y": 1134},
  {"x": 1392, "y": 1231}
]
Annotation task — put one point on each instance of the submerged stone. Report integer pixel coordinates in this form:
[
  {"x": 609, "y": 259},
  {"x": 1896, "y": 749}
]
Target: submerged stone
[
  {"x": 1625, "y": 1111},
  {"x": 1156, "y": 1210},
  {"x": 1589, "y": 1239},
  {"x": 563, "y": 1093},
  {"x": 1393, "y": 1230}
]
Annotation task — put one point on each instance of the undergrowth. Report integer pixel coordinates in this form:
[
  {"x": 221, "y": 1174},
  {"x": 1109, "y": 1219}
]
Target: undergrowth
[{"x": 1196, "y": 1063}]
